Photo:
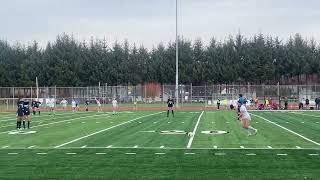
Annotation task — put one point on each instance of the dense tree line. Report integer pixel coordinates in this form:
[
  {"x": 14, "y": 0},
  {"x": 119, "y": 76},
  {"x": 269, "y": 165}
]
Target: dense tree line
[{"x": 68, "y": 62}]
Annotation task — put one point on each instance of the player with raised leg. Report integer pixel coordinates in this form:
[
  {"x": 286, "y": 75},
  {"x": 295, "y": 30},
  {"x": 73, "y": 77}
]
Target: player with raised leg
[{"x": 245, "y": 118}]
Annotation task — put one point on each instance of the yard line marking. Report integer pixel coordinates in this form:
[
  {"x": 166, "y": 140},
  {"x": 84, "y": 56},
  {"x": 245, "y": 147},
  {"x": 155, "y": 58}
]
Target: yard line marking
[
  {"x": 100, "y": 153},
  {"x": 71, "y": 153},
  {"x": 136, "y": 146},
  {"x": 84, "y": 146},
  {"x": 110, "y": 146},
  {"x": 227, "y": 122},
  {"x": 219, "y": 154},
  {"x": 215, "y": 147},
  {"x": 302, "y": 122},
  {"x": 314, "y": 142},
  {"x": 57, "y": 122},
  {"x": 194, "y": 131},
  {"x": 31, "y": 147},
  {"x": 304, "y": 114},
  {"x": 131, "y": 153},
  {"x": 41, "y": 153},
  {"x": 3, "y": 147},
  {"x": 313, "y": 154},
  {"x": 12, "y": 153},
  {"x": 298, "y": 147},
  {"x": 182, "y": 122},
  {"x": 282, "y": 154},
  {"x": 126, "y": 122},
  {"x": 159, "y": 153},
  {"x": 242, "y": 147},
  {"x": 317, "y": 122},
  {"x": 251, "y": 154},
  {"x": 269, "y": 147},
  {"x": 189, "y": 153},
  {"x": 161, "y": 146}
]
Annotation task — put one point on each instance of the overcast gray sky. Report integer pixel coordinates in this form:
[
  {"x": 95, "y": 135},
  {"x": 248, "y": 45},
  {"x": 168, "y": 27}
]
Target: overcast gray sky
[{"x": 149, "y": 22}]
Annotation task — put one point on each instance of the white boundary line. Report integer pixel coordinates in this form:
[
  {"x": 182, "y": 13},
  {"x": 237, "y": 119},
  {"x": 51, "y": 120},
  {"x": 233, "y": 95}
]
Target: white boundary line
[
  {"x": 293, "y": 110},
  {"x": 194, "y": 131},
  {"x": 58, "y": 122},
  {"x": 305, "y": 114},
  {"x": 305, "y": 138},
  {"x": 97, "y": 132}
]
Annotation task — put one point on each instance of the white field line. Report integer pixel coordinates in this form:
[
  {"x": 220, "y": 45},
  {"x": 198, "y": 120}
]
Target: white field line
[
  {"x": 270, "y": 147},
  {"x": 314, "y": 142},
  {"x": 100, "y": 153},
  {"x": 159, "y": 153},
  {"x": 157, "y": 148},
  {"x": 71, "y": 153},
  {"x": 57, "y": 122},
  {"x": 41, "y": 153},
  {"x": 305, "y": 114},
  {"x": 215, "y": 147},
  {"x": 282, "y": 154},
  {"x": 194, "y": 131},
  {"x": 161, "y": 147},
  {"x": 3, "y": 147},
  {"x": 251, "y": 154},
  {"x": 110, "y": 146},
  {"x": 313, "y": 154},
  {"x": 219, "y": 154},
  {"x": 12, "y": 153},
  {"x": 103, "y": 130},
  {"x": 31, "y": 147},
  {"x": 189, "y": 153},
  {"x": 289, "y": 111},
  {"x": 130, "y": 153},
  {"x": 84, "y": 146},
  {"x": 242, "y": 147}
]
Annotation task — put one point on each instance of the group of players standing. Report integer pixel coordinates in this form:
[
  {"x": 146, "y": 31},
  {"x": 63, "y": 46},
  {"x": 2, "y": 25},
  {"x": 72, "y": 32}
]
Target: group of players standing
[{"x": 23, "y": 112}]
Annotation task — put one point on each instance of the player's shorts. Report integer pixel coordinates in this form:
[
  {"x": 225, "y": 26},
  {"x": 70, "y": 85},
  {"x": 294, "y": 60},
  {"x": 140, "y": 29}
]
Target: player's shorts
[
  {"x": 246, "y": 118},
  {"x": 35, "y": 107},
  {"x": 99, "y": 105},
  {"x": 64, "y": 105},
  {"x": 170, "y": 108}
]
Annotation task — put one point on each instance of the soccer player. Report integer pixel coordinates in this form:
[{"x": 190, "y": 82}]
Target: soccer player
[
  {"x": 35, "y": 106},
  {"x": 87, "y": 105},
  {"x": 99, "y": 104},
  {"x": 307, "y": 103},
  {"x": 114, "y": 105},
  {"x": 51, "y": 105},
  {"x": 240, "y": 102},
  {"x": 64, "y": 103},
  {"x": 19, "y": 113},
  {"x": 26, "y": 114},
  {"x": 74, "y": 105},
  {"x": 245, "y": 118},
  {"x": 218, "y": 103},
  {"x": 170, "y": 103}
]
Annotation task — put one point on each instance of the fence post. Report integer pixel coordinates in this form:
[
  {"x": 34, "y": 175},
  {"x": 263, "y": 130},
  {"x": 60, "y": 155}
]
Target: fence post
[
  {"x": 191, "y": 93},
  {"x": 13, "y": 97},
  {"x": 145, "y": 94}
]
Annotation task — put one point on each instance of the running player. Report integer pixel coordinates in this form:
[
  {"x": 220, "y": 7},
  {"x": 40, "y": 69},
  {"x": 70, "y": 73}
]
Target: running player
[
  {"x": 64, "y": 103},
  {"x": 74, "y": 105},
  {"x": 245, "y": 118},
  {"x": 26, "y": 114},
  {"x": 114, "y": 105},
  {"x": 98, "y": 104},
  {"x": 19, "y": 113},
  {"x": 35, "y": 106},
  {"x": 170, "y": 103}
]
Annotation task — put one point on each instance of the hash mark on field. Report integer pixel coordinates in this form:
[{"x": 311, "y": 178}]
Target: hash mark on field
[
  {"x": 100, "y": 153},
  {"x": 189, "y": 153},
  {"x": 31, "y": 147},
  {"x": 282, "y": 154},
  {"x": 287, "y": 122},
  {"x": 317, "y": 122},
  {"x": 251, "y": 154},
  {"x": 71, "y": 153},
  {"x": 136, "y": 146},
  {"x": 298, "y": 147},
  {"x": 302, "y": 122},
  {"x": 83, "y": 122},
  {"x": 269, "y": 147},
  {"x": 161, "y": 146},
  {"x": 12, "y": 153},
  {"x": 155, "y": 122},
  {"x": 242, "y": 147},
  {"x": 97, "y": 122},
  {"x": 219, "y": 154},
  {"x": 313, "y": 154},
  {"x": 227, "y": 122},
  {"x": 84, "y": 146},
  {"x": 40, "y": 153},
  {"x": 215, "y": 147},
  {"x": 169, "y": 122},
  {"x": 131, "y": 153},
  {"x": 110, "y": 146},
  {"x": 160, "y": 153},
  {"x": 182, "y": 122},
  {"x": 5, "y": 147}
]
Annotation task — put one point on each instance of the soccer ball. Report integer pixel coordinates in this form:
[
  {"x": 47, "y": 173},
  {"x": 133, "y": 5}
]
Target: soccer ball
[{"x": 190, "y": 134}]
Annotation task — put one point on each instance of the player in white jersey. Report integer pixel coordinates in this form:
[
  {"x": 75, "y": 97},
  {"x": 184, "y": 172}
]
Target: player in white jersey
[
  {"x": 114, "y": 105},
  {"x": 99, "y": 104},
  {"x": 64, "y": 103},
  {"x": 245, "y": 118},
  {"x": 50, "y": 104},
  {"x": 74, "y": 105}
]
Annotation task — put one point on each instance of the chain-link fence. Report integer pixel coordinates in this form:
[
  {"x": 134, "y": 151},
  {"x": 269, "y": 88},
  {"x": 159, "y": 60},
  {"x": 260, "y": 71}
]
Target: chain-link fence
[{"x": 156, "y": 95}]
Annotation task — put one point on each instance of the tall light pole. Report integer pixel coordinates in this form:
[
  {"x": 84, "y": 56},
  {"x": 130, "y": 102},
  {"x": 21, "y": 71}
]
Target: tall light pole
[{"x": 177, "y": 68}]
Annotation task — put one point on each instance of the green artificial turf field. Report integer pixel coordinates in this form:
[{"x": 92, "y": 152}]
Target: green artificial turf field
[{"x": 148, "y": 145}]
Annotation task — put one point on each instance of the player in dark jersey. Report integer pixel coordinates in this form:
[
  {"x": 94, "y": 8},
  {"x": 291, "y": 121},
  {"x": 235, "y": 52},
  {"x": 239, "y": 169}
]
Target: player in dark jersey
[
  {"x": 87, "y": 105},
  {"x": 19, "y": 113},
  {"x": 170, "y": 103},
  {"x": 35, "y": 106},
  {"x": 26, "y": 113}
]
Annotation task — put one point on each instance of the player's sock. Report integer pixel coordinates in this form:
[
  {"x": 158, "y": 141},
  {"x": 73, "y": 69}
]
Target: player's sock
[
  {"x": 168, "y": 113},
  {"x": 24, "y": 124},
  {"x": 247, "y": 131},
  {"x": 17, "y": 124},
  {"x": 39, "y": 113},
  {"x": 34, "y": 112},
  {"x": 172, "y": 113},
  {"x": 28, "y": 124}
]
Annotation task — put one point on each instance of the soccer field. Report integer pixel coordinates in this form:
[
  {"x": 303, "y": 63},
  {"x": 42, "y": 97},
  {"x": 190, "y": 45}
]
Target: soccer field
[{"x": 148, "y": 145}]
